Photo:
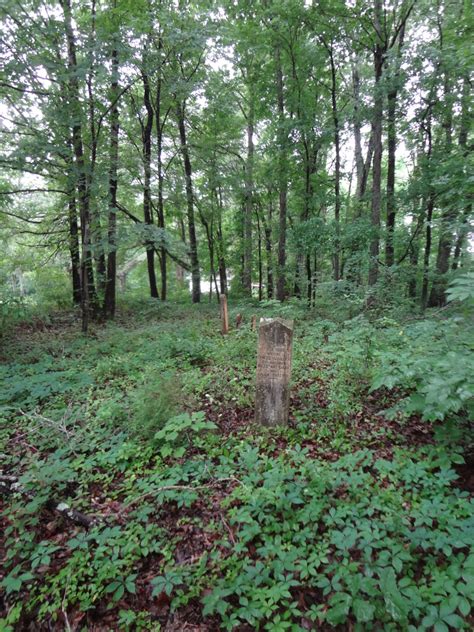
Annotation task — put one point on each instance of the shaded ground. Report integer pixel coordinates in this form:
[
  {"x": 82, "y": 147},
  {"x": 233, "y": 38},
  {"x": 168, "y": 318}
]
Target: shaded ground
[{"x": 204, "y": 526}]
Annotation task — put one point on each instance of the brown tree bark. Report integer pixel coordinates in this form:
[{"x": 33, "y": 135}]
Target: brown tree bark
[
  {"x": 378, "y": 58},
  {"x": 193, "y": 246},
  {"x": 449, "y": 213},
  {"x": 260, "y": 261},
  {"x": 362, "y": 166},
  {"x": 96, "y": 236},
  {"x": 209, "y": 229},
  {"x": 88, "y": 296},
  {"x": 267, "y": 229},
  {"x": 110, "y": 284},
  {"x": 282, "y": 180},
  {"x": 391, "y": 150},
  {"x": 147, "y": 207},
  {"x": 337, "y": 175},
  {"x": 426, "y": 257},
  {"x": 428, "y": 219},
  {"x": 461, "y": 236},
  {"x": 221, "y": 245},
  {"x": 74, "y": 250},
  {"x": 359, "y": 159},
  {"x": 248, "y": 209},
  {"x": 160, "y": 124}
]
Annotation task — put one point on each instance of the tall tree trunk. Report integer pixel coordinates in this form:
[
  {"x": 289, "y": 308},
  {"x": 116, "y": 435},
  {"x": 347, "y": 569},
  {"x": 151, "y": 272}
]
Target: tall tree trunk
[
  {"x": 428, "y": 219},
  {"x": 220, "y": 245},
  {"x": 248, "y": 209},
  {"x": 309, "y": 160},
  {"x": 377, "y": 135},
  {"x": 414, "y": 252},
  {"x": 414, "y": 247},
  {"x": 88, "y": 295},
  {"x": 463, "y": 232},
  {"x": 209, "y": 229},
  {"x": 212, "y": 271},
  {"x": 448, "y": 215},
  {"x": 193, "y": 246},
  {"x": 110, "y": 286},
  {"x": 337, "y": 175},
  {"x": 463, "y": 133},
  {"x": 392, "y": 147},
  {"x": 267, "y": 229},
  {"x": 367, "y": 164},
  {"x": 282, "y": 180},
  {"x": 95, "y": 223},
  {"x": 314, "y": 279},
  {"x": 359, "y": 159},
  {"x": 309, "y": 280},
  {"x": 74, "y": 250},
  {"x": 260, "y": 262},
  {"x": 426, "y": 258},
  {"x": 147, "y": 208},
  {"x": 362, "y": 166},
  {"x": 160, "y": 121}
]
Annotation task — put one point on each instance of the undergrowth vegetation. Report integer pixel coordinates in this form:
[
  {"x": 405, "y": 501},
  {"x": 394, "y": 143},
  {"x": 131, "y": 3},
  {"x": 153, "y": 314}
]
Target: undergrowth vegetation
[{"x": 358, "y": 515}]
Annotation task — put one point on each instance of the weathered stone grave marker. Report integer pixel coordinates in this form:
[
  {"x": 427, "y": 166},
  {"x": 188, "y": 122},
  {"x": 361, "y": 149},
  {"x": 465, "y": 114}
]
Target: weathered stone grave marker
[
  {"x": 253, "y": 323},
  {"x": 238, "y": 320},
  {"x": 224, "y": 314},
  {"x": 275, "y": 342}
]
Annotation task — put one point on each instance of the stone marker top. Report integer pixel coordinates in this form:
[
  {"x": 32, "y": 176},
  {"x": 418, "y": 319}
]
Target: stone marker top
[{"x": 289, "y": 324}]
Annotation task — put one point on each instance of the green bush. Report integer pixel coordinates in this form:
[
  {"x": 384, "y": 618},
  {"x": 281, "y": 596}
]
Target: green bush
[
  {"x": 52, "y": 289},
  {"x": 154, "y": 402},
  {"x": 367, "y": 540},
  {"x": 181, "y": 432},
  {"x": 434, "y": 365}
]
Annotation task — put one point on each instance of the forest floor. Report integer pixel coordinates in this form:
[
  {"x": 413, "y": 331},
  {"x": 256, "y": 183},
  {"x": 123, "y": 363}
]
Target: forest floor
[{"x": 189, "y": 517}]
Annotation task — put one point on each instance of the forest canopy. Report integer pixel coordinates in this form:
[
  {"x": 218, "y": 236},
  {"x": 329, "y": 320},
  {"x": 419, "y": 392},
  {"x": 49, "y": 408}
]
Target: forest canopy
[{"x": 276, "y": 145}]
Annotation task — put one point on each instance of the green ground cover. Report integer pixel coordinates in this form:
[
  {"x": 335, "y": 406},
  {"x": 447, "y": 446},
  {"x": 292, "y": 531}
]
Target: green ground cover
[{"x": 357, "y": 516}]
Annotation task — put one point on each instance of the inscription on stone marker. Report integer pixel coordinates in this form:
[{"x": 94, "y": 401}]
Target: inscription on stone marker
[{"x": 275, "y": 340}]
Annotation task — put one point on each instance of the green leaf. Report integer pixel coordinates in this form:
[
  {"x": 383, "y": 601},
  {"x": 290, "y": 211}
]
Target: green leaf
[
  {"x": 464, "y": 606},
  {"x": 363, "y": 610}
]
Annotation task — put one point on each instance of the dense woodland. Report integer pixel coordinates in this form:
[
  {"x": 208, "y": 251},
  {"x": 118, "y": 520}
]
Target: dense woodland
[
  {"x": 310, "y": 160},
  {"x": 277, "y": 144}
]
